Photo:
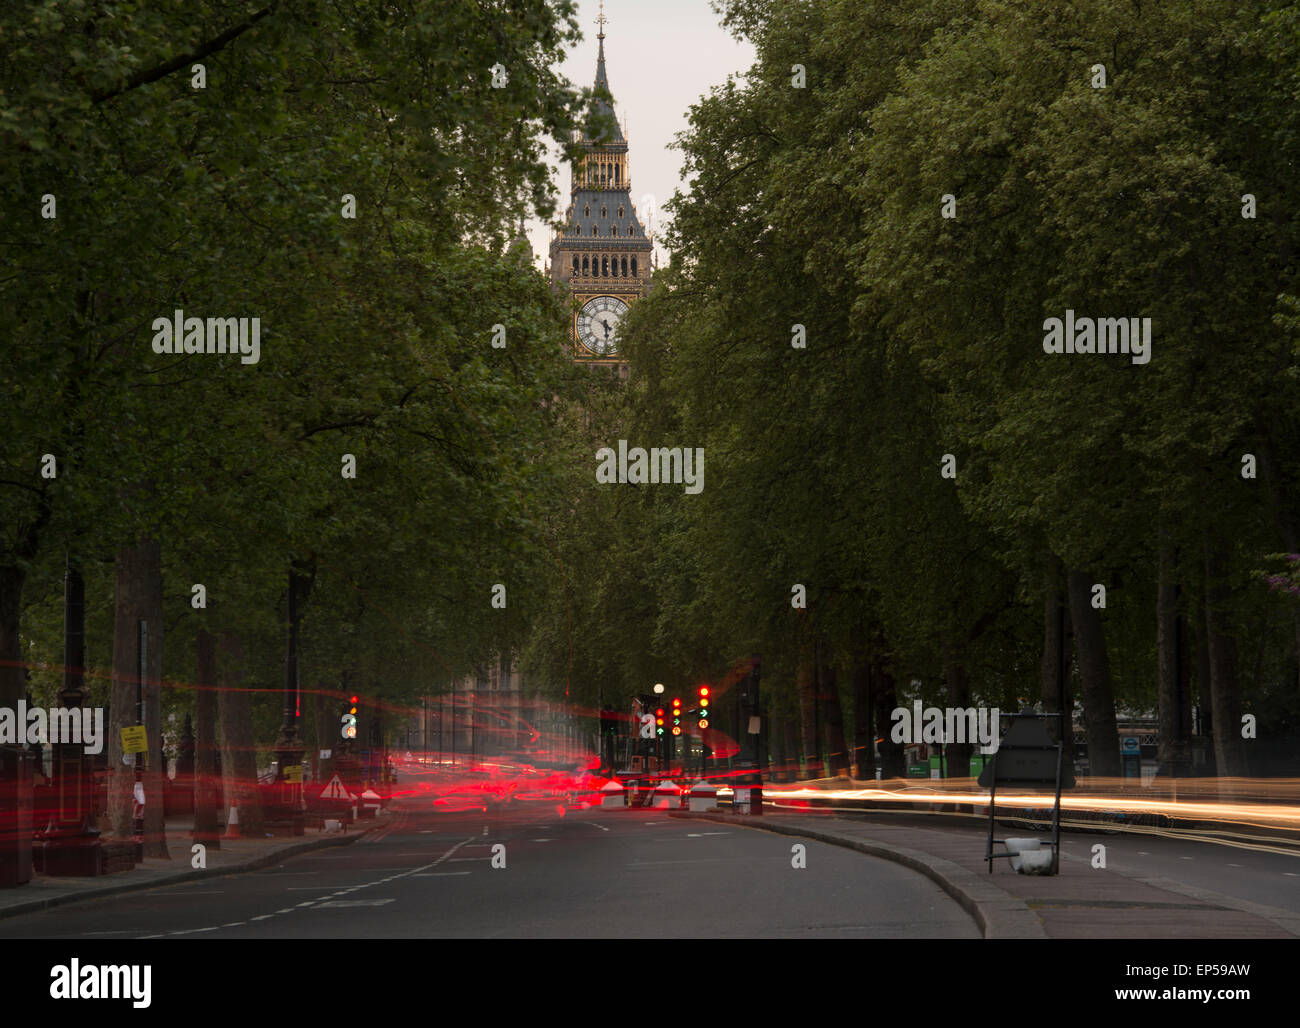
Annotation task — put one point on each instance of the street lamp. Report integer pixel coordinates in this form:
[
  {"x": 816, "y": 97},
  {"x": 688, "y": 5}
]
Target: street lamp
[{"x": 659, "y": 688}]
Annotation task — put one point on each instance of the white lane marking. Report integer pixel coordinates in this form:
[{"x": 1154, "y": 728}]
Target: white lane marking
[
  {"x": 326, "y": 902},
  {"x": 594, "y": 825},
  {"x": 261, "y": 917},
  {"x": 233, "y": 924},
  {"x": 357, "y": 903},
  {"x": 159, "y": 936},
  {"x": 541, "y": 840},
  {"x": 1143, "y": 853},
  {"x": 441, "y": 874},
  {"x": 1291, "y": 874},
  {"x": 701, "y": 835},
  {"x": 1184, "y": 858},
  {"x": 485, "y": 829},
  {"x": 115, "y": 931},
  {"x": 1236, "y": 865},
  {"x": 309, "y": 888},
  {"x": 465, "y": 860},
  {"x": 194, "y": 931}
]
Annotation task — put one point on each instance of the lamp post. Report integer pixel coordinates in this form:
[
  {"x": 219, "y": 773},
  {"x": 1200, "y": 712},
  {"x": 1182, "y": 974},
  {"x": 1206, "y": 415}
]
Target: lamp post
[
  {"x": 288, "y": 748},
  {"x": 71, "y": 840}
]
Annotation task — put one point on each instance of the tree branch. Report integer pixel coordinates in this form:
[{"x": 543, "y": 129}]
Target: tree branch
[{"x": 143, "y": 78}]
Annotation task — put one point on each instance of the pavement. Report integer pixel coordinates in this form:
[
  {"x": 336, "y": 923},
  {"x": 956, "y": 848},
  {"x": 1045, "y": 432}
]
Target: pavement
[
  {"x": 1081, "y": 902},
  {"x": 235, "y": 855}
]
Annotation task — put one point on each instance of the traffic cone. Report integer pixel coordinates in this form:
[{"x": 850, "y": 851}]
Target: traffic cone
[{"x": 232, "y": 822}]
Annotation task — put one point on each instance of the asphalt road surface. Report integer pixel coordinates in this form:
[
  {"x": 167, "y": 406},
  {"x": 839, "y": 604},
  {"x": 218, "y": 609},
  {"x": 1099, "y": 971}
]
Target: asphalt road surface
[{"x": 580, "y": 873}]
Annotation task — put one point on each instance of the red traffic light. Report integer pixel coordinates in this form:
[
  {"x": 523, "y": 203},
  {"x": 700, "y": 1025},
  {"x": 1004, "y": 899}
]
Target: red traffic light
[
  {"x": 704, "y": 690},
  {"x": 659, "y": 713}
]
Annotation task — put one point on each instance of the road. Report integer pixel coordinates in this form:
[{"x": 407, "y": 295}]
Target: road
[{"x": 576, "y": 874}]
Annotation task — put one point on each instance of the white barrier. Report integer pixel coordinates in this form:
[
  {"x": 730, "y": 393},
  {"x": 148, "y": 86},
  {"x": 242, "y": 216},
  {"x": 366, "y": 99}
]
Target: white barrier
[{"x": 612, "y": 794}]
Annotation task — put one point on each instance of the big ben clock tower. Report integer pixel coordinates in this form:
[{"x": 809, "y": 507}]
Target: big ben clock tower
[{"x": 603, "y": 254}]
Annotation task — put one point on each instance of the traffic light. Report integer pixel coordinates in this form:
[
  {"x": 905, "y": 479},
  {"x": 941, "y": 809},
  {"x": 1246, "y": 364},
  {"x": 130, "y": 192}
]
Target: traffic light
[
  {"x": 350, "y": 720},
  {"x": 659, "y": 722},
  {"x": 677, "y": 716},
  {"x": 703, "y": 706}
]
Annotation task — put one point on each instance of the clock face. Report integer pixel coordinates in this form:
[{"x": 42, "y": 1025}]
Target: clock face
[{"x": 598, "y": 323}]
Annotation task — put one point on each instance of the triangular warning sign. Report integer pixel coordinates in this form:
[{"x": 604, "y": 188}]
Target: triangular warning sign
[{"x": 335, "y": 790}]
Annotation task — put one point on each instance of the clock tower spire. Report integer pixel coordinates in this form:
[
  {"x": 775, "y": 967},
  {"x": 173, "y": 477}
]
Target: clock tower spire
[{"x": 602, "y": 256}]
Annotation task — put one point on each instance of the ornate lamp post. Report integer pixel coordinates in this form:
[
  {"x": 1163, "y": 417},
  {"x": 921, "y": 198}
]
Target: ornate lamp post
[{"x": 70, "y": 842}]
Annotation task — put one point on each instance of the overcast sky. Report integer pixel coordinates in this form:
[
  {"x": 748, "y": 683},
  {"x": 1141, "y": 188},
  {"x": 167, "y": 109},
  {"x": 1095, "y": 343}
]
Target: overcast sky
[{"x": 661, "y": 56}]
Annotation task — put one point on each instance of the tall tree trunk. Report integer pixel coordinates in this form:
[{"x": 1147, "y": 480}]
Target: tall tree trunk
[
  {"x": 775, "y": 744},
  {"x": 1056, "y": 677},
  {"x": 1175, "y": 716},
  {"x": 13, "y": 681},
  {"x": 1225, "y": 689},
  {"x": 893, "y": 757},
  {"x": 131, "y": 606},
  {"x": 957, "y": 754},
  {"x": 328, "y": 735},
  {"x": 206, "y": 789},
  {"x": 1288, "y": 523},
  {"x": 1206, "y": 724},
  {"x": 864, "y": 757},
  {"x": 805, "y": 679},
  {"x": 793, "y": 755},
  {"x": 1094, "y": 675},
  {"x": 155, "y": 774},
  {"x": 238, "y": 751},
  {"x": 837, "y": 751}
]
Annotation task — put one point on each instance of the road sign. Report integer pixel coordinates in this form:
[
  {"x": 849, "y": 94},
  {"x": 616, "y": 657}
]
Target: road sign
[
  {"x": 335, "y": 790},
  {"x": 647, "y": 726},
  {"x": 1129, "y": 744},
  {"x": 134, "y": 740},
  {"x": 293, "y": 773}
]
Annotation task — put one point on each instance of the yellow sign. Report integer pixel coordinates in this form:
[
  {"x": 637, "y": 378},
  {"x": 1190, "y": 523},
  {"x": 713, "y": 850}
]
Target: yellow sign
[
  {"x": 293, "y": 773},
  {"x": 134, "y": 740}
]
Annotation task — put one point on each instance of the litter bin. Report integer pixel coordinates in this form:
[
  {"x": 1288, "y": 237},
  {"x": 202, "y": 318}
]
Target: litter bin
[{"x": 15, "y": 817}]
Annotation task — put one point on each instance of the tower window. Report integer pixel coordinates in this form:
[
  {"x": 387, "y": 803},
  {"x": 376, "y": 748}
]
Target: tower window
[
  {"x": 584, "y": 265},
  {"x": 634, "y": 267},
  {"x": 604, "y": 213},
  {"x": 586, "y": 211},
  {"x": 575, "y": 264},
  {"x": 620, "y": 212},
  {"x": 604, "y": 267},
  {"x": 624, "y": 267}
]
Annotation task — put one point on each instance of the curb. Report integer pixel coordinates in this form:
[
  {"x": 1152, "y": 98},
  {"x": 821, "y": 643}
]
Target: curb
[
  {"x": 998, "y": 914},
  {"x": 175, "y": 878}
]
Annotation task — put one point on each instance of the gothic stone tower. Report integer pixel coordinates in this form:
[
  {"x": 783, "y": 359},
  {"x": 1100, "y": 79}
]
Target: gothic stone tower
[{"x": 602, "y": 257}]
